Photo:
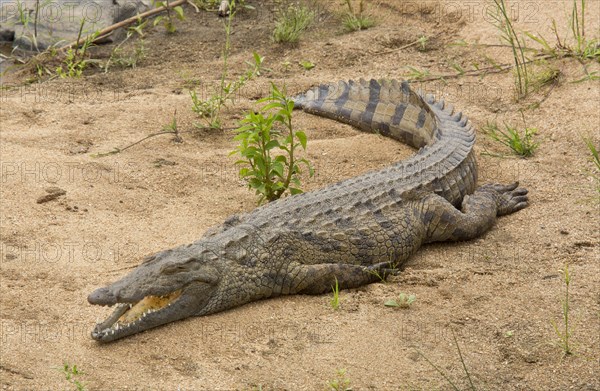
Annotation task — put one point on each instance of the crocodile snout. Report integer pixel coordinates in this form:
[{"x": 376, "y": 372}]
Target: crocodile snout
[{"x": 102, "y": 296}]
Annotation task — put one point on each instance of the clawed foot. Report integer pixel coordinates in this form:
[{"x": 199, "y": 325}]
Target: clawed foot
[{"x": 509, "y": 198}]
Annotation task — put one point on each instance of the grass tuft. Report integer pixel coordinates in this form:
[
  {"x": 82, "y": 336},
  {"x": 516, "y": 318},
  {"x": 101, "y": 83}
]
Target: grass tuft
[
  {"x": 521, "y": 143},
  {"x": 291, "y": 23},
  {"x": 501, "y": 20},
  {"x": 355, "y": 21}
]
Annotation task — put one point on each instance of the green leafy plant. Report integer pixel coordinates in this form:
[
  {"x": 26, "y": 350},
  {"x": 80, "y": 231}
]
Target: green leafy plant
[
  {"x": 307, "y": 65},
  {"x": 72, "y": 375},
  {"x": 291, "y": 22},
  {"x": 75, "y": 61},
  {"x": 167, "y": 19},
  {"x": 335, "y": 300},
  {"x": 354, "y": 21},
  {"x": 403, "y": 301},
  {"x": 258, "y": 136},
  {"x": 565, "y": 335},
  {"x": 209, "y": 108},
  {"x": 340, "y": 382},
  {"x": 521, "y": 143},
  {"x": 130, "y": 59}
]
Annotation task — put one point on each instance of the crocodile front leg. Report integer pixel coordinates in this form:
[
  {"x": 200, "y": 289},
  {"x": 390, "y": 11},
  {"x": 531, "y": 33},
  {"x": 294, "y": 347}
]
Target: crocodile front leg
[{"x": 479, "y": 212}]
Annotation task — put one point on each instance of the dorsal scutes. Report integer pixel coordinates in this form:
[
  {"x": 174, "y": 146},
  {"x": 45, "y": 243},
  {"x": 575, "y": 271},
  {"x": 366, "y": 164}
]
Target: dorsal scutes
[{"x": 392, "y": 108}]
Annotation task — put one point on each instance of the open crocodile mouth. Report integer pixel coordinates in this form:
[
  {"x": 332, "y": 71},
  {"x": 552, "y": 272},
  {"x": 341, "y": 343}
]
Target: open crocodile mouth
[{"x": 131, "y": 316}]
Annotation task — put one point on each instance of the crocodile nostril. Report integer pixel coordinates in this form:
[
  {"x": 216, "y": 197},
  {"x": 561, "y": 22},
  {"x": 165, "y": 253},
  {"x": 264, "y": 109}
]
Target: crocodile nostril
[{"x": 101, "y": 296}]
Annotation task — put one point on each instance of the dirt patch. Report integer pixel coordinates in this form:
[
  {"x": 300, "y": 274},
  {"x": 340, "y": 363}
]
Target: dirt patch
[{"x": 498, "y": 293}]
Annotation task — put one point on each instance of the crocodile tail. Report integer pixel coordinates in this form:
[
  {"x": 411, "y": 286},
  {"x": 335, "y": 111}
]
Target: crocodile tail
[
  {"x": 445, "y": 162},
  {"x": 388, "y": 107}
]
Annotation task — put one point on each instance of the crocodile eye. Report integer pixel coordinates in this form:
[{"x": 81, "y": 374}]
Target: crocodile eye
[
  {"x": 187, "y": 266},
  {"x": 174, "y": 269},
  {"x": 149, "y": 259}
]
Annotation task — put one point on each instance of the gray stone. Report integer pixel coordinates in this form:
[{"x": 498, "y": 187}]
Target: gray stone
[{"x": 58, "y": 21}]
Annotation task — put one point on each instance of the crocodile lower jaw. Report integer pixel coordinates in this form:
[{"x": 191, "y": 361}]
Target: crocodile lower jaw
[{"x": 131, "y": 316}]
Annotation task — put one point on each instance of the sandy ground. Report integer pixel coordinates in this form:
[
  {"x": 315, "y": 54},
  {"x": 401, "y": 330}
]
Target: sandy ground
[{"x": 499, "y": 293}]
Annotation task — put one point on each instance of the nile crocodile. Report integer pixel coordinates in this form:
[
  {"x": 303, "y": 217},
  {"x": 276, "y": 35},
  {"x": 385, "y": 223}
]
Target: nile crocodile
[{"x": 356, "y": 231}]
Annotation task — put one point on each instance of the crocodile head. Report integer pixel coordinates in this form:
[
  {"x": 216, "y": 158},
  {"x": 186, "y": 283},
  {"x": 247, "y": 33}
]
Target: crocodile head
[{"x": 168, "y": 286}]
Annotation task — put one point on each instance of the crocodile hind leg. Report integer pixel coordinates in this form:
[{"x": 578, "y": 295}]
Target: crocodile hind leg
[{"x": 479, "y": 211}]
